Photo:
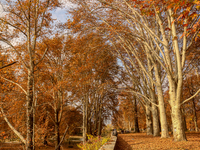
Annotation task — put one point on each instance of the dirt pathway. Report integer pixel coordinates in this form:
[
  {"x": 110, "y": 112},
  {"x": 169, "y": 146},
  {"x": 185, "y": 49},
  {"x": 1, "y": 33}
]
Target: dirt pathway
[{"x": 140, "y": 141}]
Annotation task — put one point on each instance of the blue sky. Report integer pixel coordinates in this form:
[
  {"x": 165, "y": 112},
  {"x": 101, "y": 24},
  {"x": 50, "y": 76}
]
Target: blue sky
[{"x": 61, "y": 13}]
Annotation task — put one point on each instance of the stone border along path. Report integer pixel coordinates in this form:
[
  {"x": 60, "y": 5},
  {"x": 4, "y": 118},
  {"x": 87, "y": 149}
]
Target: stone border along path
[{"x": 110, "y": 145}]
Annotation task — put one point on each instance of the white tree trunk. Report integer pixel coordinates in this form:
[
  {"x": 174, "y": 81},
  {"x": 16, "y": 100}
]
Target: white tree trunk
[
  {"x": 149, "y": 127},
  {"x": 163, "y": 118}
]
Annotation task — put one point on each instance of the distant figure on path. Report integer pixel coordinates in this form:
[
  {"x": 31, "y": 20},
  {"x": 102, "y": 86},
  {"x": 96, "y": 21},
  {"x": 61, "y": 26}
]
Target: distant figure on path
[
  {"x": 114, "y": 133},
  {"x": 122, "y": 131}
]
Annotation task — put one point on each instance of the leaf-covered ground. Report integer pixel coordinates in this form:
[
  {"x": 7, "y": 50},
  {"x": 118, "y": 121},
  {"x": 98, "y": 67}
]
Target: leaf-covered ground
[
  {"x": 140, "y": 141},
  {"x": 134, "y": 141},
  {"x": 13, "y": 146}
]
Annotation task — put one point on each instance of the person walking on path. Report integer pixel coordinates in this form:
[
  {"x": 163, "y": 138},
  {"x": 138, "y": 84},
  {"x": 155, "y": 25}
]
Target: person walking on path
[{"x": 114, "y": 133}]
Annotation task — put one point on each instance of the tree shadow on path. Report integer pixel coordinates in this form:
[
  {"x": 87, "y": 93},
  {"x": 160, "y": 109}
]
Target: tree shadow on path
[{"x": 121, "y": 144}]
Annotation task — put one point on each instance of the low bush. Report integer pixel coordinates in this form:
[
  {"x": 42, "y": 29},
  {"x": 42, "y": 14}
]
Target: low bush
[{"x": 94, "y": 143}]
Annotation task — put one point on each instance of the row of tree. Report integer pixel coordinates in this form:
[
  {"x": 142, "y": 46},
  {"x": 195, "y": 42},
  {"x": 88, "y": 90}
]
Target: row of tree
[
  {"x": 157, "y": 44},
  {"x": 143, "y": 54},
  {"x": 58, "y": 81}
]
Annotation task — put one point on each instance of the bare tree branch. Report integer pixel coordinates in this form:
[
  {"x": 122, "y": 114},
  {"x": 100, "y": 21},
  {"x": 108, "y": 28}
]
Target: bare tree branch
[
  {"x": 12, "y": 128},
  {"x": 42, "y": 57},
  {"x": 15, "y": 84},
  {"x": 190, "y": 97},
  {"x": 1, "y": 67}
]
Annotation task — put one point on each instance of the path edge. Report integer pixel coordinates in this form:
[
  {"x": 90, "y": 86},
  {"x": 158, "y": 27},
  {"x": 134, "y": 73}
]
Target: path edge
[{"x": 110, "y": 145}]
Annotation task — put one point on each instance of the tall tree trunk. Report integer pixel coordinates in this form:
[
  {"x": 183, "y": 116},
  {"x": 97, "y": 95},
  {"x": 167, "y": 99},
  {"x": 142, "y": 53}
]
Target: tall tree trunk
[
  {"x": 194, "y": 107},
  {"x": 156, "y": 128},
  {"x": 96, "y": 117},
  {"x": 86, "y": 116},
  {"x": 30, "y": 86},
  {"x": 84, "y": 121},
  {"x": 99, "y": 126},
  {"x": 163, "y": 118},
  {"x": 149, "y": 127},
  {"x": 34, "y": 108},
  {"x": 57, "y": 134},
  {"x": 95, "y": 124},
  {"x": 30, "y": 92},
  {"x": 175, "y": 87},
  {"x": 100, "y": 112},
  {"x": 178, "y": 129},
  {"x": 89, "y": 126},
  {"x": 195, "y": 116},
  {"x": 184, "y": 121},
  {"x": 136, "y": 125},
  {"x": 129, "y": 124},
  {"x": 176, "y": 114},
  {"x": 58, "y": 110}
]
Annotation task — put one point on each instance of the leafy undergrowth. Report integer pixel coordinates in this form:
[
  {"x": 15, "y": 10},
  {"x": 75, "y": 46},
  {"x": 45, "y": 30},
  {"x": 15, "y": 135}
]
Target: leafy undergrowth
[
  {"x": 93, "y": 143},
  {"x": 140, "y": 141}
]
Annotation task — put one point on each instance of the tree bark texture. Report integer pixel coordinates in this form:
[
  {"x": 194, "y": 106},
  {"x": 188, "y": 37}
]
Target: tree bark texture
[
  {"x": 178, "y": 129},
  {"x": 149, "y": 126},
  {"x": 30, "y": 92},
  {"x": 195, "y": 116},
  {"x": 57, "y": 135},
  {"x": 136, "y": 125}
]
